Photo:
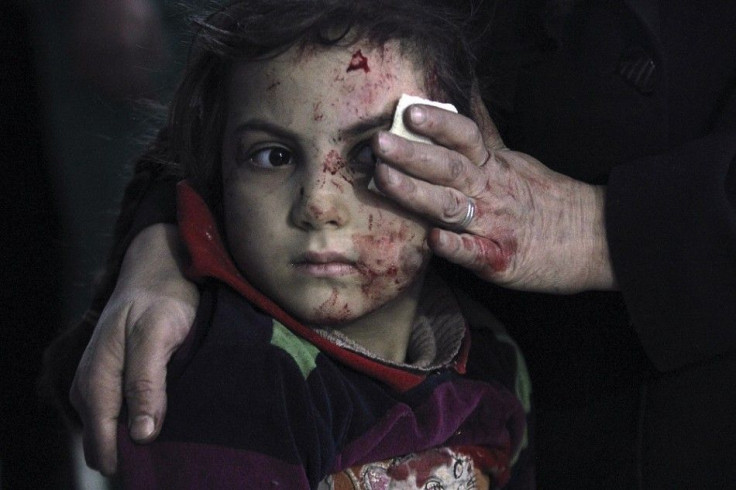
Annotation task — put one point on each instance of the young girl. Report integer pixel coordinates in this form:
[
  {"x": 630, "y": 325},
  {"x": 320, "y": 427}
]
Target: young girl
[{"x": 326, "y": 351}]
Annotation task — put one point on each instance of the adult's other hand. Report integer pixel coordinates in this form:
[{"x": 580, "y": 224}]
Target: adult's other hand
[
  {"x": 146, "y": 319},
  {"x": 500, "y": 213}
]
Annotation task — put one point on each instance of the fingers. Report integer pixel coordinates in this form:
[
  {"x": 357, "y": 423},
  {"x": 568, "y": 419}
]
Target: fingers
[
  {"x": 150, "y": 343},
  {"x": 486, "y": 258},
  {"x": 448, "y": 129},
  {"x": 428, "y": 180},
  {"x": 443, "y": 205},
  {"x": 100, "y": 433},
  {"x": 145, "y": 387},
  {"x": 431, "y": 163},
  {"x": 96, "y": 393}
]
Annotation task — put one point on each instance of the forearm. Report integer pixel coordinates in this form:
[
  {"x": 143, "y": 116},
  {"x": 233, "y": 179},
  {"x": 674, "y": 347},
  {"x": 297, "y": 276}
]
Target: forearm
[
  {"x": 155, "y": 257},
  {"x": 602, "y": 276},
  {"x": 583, "y": 244}
]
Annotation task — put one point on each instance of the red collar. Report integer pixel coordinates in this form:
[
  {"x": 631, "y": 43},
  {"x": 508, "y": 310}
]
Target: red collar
[{"x": 210, "y": 259}]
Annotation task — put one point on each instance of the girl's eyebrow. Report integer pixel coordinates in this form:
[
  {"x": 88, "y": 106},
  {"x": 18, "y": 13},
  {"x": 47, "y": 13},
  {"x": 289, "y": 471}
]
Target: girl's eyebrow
[
  {"x": 361, "y": 127},
  {"x": 266, "y": 127}
]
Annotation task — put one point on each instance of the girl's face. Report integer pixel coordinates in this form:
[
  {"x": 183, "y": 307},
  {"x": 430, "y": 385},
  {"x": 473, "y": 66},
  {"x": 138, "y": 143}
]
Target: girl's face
[{"x": 299, "y": 219}]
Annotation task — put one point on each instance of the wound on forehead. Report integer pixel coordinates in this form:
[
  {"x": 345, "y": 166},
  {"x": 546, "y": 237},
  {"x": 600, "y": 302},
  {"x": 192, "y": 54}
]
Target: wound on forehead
[{"x": 358, "y": 62}]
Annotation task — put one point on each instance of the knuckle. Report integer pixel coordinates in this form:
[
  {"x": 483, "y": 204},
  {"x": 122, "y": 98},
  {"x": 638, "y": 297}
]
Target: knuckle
[
  {"x": 476, "y": 137},
  {"x": 424, "y": 155},
  {"x": 150, "y": 329},
  {"x": 141, "y": 331},
  {"x": 450, "y": 208},
  {"x": 455, "y": 168},
  {"x": 141, "y": 390},
  {"x": 477, "y": 187}
]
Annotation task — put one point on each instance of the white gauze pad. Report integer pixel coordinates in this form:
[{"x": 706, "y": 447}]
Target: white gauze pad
[{"x": 398, "y": 128}]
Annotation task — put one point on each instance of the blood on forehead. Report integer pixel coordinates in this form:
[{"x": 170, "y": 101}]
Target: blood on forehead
[
  {"x": 358, "y": 62},
  {"x": 371, "y": 73}
]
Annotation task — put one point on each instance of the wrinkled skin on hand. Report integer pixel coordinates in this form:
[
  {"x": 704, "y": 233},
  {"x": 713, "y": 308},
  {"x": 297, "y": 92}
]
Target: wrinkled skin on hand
[
  {"x": 147, "y": 318},
  {"x": 533, "y": 229}
]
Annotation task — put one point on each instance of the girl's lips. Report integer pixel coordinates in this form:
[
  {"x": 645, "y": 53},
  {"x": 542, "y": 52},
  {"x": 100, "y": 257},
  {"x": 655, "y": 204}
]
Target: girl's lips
[
  {"x": 326, "y": 269},
  {"x": 326, "y": 264},
  {"x": 324, "y": 256}
]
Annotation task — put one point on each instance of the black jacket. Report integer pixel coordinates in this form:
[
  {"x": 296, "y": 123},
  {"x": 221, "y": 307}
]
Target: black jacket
[{"x": 632, "y": 389}]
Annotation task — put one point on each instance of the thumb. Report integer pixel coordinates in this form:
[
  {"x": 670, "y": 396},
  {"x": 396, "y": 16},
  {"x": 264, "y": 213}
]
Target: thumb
[
  {"x": 145, "y": 396},
  {"x": 150, "y": 344}
]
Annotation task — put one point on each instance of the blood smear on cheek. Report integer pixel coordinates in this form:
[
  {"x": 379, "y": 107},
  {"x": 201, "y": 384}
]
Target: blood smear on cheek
[{"x": 387, "y": 260}]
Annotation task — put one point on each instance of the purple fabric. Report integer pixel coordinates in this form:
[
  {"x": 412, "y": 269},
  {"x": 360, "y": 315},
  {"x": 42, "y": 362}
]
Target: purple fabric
[
  {"x": 457, "y": 413},
  {"x": 187, "y": 465}
]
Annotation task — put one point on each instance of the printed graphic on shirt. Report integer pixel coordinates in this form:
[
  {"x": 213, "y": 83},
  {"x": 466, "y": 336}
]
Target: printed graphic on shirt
[{"x": 435, "y": 469}]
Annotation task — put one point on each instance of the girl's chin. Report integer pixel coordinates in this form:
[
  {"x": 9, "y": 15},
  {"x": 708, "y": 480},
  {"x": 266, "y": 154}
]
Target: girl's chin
[
  {"x": 331, "y": 319},
  {"x": 330, "y": 315},
  {"x": 332, "y": 308}
]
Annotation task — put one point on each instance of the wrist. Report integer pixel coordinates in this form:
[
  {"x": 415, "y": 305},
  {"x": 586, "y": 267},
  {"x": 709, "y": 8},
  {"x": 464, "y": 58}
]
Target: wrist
[
  {"x": 154, "y": 254},
  {"x": 597, "y": 267}
]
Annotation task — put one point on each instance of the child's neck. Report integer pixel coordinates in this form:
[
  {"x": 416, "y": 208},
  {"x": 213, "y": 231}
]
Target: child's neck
[{"x": 386, "y": 331}]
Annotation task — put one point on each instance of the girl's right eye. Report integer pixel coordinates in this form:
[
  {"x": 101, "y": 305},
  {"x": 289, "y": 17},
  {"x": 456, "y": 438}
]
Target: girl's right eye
[{"x": 271, "y": 157}]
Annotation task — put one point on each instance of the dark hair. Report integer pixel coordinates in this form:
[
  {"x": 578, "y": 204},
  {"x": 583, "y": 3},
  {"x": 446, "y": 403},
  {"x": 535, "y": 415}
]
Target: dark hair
[{"x": 430, "y": 32}]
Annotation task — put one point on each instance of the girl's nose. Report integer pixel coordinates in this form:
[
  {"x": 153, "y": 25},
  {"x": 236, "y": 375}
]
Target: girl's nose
[{"x": 322, "y": 197}]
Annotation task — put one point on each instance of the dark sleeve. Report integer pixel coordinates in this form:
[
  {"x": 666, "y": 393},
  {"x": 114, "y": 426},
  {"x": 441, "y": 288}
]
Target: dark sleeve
[
  {"x": 240, "y": 413},
  {"x": 671, "y": 224}
]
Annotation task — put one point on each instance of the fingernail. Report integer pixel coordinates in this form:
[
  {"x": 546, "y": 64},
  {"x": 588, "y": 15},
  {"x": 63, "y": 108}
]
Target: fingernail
[
  {"x": 142, "y": 427},
  {"x": 417, "y": 115},
  {"x": 385, "y": 142},
  {"x": 392, "y": 176},
  {"x": 442, "y": 238}
]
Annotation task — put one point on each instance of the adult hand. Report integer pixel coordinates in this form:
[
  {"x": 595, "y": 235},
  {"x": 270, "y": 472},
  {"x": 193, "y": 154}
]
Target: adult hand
[
  {"x": 500, "y": 213},
  {"x": 146, "y": 319}
]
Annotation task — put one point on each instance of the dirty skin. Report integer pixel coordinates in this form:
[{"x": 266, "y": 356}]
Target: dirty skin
[
  {"x": 334, "y": 164},
  {"x": 327, "y": 309},
  {"x": 386, "y": 260}
]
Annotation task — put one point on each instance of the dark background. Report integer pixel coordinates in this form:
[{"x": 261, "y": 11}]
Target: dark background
[{"x": 79, "y": 81}]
